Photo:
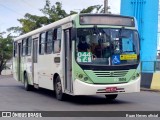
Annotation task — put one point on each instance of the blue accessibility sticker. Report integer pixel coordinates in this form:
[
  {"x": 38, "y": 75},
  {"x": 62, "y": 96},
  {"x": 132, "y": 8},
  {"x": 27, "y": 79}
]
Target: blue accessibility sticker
[{"x": 116, "y": 59}]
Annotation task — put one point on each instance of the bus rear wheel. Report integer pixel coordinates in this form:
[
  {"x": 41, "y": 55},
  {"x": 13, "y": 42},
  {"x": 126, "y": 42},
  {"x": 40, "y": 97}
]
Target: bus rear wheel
[
  {"x": 58, "y": 89},
  {"x": 111, "y": 97},
  {"x": 27, "y": 87}
]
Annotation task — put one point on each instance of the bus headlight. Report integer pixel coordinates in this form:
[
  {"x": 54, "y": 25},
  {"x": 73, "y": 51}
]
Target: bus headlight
[
  {"x": 137, "y": 75},
  {"x": 83, "y": 78},
  {"x": 80, "y": 76},
  {"x": 133, "y": 77},
  {"x": 86, "y": 78}
]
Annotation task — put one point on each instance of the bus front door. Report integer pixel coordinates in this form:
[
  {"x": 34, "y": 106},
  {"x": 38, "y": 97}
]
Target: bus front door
[
  {"x": 68, "y": 62},
  {"x": 35, "y": 60}
]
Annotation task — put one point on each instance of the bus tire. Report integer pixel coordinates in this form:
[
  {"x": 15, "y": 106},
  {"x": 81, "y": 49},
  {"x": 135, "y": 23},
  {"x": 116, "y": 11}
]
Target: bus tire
[
  {"x": 111, "y": 97},
  {"x": 27, "y": 87},
  {"x": 58, "y": 89}
]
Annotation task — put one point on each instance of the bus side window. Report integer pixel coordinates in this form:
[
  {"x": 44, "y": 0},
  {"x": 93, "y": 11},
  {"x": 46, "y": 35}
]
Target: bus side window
[
  {"x": 24, "y": 47},
  {"x": 28, "y": 46},
  {"x": 49, "y": 40},
  {"x": 57, "y": 40},
  {"x": 15, "y": 49},
  {"x": 42, "y": 43}
]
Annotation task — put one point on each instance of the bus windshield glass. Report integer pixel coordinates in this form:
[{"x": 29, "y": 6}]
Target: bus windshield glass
[{"x": 107, "y": 46}]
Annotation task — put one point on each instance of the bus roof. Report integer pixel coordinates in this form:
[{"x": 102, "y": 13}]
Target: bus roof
[{"x": 49, "y": 26}]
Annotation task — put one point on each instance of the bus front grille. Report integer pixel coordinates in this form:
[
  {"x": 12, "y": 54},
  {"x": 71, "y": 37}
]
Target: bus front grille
[{"x": 110, "y": 73}]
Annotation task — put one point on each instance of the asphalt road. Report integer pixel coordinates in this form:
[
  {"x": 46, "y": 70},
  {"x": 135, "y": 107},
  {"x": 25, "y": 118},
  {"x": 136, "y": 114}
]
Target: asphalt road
[{"x": 13, "y": 97}]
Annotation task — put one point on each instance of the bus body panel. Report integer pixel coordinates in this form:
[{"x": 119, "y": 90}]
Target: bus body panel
[
  {"x": 81, "y": 88},
  {"x": 45, "y": 70}
]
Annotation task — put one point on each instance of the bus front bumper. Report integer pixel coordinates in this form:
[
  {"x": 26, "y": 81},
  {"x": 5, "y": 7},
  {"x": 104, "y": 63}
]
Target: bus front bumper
[{"x": 82, "y": 88}]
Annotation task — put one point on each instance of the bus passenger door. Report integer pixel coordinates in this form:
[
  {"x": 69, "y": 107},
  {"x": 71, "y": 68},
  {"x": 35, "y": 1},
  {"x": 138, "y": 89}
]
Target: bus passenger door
[
  {"x": 19, "y": 62},
  {"x": 35, "y": 60},
  {"x": 68, "y": 61}
]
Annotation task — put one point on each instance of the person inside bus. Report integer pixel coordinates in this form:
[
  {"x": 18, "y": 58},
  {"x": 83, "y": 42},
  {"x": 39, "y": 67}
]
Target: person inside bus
[
  {"x": 83, "y": 46},
  {"x": 102, "y": 49}
]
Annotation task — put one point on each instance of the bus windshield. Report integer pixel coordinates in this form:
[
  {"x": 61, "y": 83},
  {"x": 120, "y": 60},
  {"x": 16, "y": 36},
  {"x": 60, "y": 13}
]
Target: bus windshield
[{"x": 107, "y": 46}]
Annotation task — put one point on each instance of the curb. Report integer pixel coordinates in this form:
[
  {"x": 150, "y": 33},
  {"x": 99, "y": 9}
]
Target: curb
[{"x": 151, "y": 90}]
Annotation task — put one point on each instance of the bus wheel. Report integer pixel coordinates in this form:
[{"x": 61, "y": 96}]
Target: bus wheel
[
  {"x": 26, "y": 85},
  {"x": 111, "y": 97},
  {"x": 58, "y": 89}
]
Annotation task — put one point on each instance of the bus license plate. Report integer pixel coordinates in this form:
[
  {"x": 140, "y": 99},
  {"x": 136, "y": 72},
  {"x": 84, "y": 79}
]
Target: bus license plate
[{"x": 111, "y": 89}]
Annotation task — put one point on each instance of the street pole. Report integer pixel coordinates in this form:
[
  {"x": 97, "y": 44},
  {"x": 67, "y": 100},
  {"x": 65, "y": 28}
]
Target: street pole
[{"x": 106, "y": 6}]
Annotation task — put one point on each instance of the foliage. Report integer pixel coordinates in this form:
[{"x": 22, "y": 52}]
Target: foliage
[
  {"x": 92, "y": 9},
  {"x": 29, "y": 23},
  {"x": 15, "y": 30},
  {"x": 5, "y": 51},
  {"x": 54, "y": 12}
]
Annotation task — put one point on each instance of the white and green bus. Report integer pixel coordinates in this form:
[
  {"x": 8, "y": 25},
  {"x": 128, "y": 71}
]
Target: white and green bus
[{"x": 82, "y": 54}]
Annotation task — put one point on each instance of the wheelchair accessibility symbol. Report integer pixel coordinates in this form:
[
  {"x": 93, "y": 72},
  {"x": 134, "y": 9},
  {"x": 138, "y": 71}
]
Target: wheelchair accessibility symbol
[{"x": 116, "y": 59}]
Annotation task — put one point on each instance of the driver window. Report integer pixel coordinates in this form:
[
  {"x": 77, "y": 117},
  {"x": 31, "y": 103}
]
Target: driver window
[{"x": 83, "y": 45}]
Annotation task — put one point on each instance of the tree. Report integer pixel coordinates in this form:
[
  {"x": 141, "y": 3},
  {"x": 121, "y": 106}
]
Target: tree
[
  {"x": 93, "y": 9},
  {"x": 54, "y": 12},
  {"x": 32, "y": 22},
  {"x": 29, "y": 23},
  {"x": 5, "y": 51},
  {"x": 15, "y": 30}
]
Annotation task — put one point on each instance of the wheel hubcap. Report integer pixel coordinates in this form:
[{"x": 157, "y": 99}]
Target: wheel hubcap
[{"x": 58, "y": 88}]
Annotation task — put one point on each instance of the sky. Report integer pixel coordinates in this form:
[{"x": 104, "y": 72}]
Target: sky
[{"x": 11, "y": 10}]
